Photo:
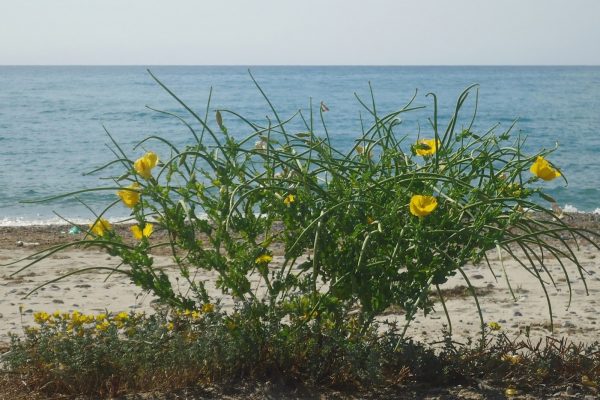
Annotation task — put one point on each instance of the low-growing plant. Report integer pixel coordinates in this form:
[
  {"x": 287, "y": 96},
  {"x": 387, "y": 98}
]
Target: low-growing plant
[
  {"x": 375, "y": 225},
  {"x": 111, "y": 354}
]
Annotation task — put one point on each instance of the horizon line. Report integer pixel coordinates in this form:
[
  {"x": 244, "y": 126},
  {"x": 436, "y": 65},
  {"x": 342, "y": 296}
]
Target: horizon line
[{"x": 299, "y": 65}]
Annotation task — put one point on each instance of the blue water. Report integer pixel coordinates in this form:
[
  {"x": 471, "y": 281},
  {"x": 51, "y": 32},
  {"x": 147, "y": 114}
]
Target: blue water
[{"x": 51, "y": 118}]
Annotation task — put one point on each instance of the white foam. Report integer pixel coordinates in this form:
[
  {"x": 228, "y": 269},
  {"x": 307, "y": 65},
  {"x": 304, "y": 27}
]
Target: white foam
[
  {"x": 570, "y": 209},
  {"x": 32, "y": 221}
]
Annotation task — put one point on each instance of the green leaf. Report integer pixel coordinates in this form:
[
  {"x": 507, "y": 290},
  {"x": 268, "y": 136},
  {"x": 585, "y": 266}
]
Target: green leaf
[
  {"x": 547, "y": 197},
  {"x": 220, "y": 122}
]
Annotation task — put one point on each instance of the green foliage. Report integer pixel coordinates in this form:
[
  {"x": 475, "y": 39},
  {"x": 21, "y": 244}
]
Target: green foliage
[{"x": 109, "y": 355}]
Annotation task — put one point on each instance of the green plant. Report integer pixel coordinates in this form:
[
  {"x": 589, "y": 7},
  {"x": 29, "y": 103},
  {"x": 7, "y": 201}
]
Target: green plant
[{"x": 362, "y": 229}]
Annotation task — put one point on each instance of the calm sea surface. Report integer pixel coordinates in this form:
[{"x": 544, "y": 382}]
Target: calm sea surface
[{"x": 51, "y": 118}]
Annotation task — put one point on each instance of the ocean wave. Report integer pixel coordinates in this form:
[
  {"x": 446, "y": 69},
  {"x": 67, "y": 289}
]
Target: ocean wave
[
  {"x": 568, "y": 208},
  {"x": 37, "y": 221},
  {"x": 42, "y": 221}
]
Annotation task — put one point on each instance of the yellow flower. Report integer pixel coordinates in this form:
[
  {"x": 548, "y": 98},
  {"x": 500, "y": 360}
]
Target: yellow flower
[
  {"x": 121, "y": 317},
  {"x": 542, "y": 169},
  {"x": 426, "y": 147},
  {"x": 143, "y": 166},
  {"x": 103, "y": 326},
  {"x": 100, "y": 227},
  {"x": 421, "y": 206},
  {"x": 264, "y": 259},
  {"x": 170, "y": 326},
  {"x": 139, "y": 233},
  {"x": 41, "y": 317},
  {"x": 77, "y": 318},
  {"x": 586, "y": 381},
  {"x": 289, "y": 199},
  {"x": 101, "y": 317},
  {"x": 88, "y": 318},
  {"x": 130, "y": 197},
  {"x": 512, "y": 358},
  {"x": 494, "y": 326},
  {"x": 208, "y": 308}
]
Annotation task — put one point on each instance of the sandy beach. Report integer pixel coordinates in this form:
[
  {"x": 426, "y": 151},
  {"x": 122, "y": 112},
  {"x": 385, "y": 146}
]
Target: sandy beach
[{"x": 95, "y": 292}]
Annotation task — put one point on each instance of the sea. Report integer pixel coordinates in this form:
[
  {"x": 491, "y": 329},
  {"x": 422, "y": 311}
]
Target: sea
[{"x": 53, "y": 119}]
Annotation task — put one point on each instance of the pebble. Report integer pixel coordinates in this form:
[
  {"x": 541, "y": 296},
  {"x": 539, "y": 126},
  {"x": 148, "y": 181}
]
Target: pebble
[
  {"x": 58, "y": 301},
  {"x": 517, "y": 314},
  {"x": 571, "y": 391}
]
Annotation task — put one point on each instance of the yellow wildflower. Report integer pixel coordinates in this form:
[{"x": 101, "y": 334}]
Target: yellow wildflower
[
  {"x": 121, "y": 317},
  {"x": 494, "y": 326},
  {"x": 130, "y": 195},
  {"x": 427, "y": 147},
  {"x": 264, "y": 259},
  {"x": 101, "y": 317},
  {"x": 143, "y": 166},
  {"x": 208, "y": 308},
  {"x": 542, "y": 169},
  {"x": 78, "y": 319},
  {"x": 56, "y": 315},
  {"x": 586, "y": 381},
  {"x": 139, "y": 233},
  {"x": 103, "y": 326},
  {"x": 41, "y": 317},
  {"x": 88, "y": 318},
  {"x": 100, "y": 227},
  {"x": 170, "y": 326},
  {"x": 512, "y": 358},
  {"x": 421, "y": 206},
  {"x": 196, "y": 314},
  {"x": 289, "y": 199}
]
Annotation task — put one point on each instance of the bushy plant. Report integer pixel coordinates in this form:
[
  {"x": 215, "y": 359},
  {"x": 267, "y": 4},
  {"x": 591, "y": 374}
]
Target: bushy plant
[{"x": 362, "y": 229}]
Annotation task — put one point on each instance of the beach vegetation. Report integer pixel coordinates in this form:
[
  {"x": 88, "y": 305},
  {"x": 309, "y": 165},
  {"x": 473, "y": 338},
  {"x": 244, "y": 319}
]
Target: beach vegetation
[
  {"x": 111, "y": 354},
  {"x": 378, "y": 224},
  {"x": 311, "y": 243}
]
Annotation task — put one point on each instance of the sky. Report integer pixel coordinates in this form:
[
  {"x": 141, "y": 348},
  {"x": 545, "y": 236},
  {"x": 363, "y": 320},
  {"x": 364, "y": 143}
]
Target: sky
[{"x": 299, "y": 32}]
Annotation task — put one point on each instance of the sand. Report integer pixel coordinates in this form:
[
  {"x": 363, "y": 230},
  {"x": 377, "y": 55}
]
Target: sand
[{"x": 95, "y": 292}]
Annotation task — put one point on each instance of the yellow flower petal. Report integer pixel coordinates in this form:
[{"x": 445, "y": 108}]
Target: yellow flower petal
[
  {"x": 208, "y": 308},
  {"x": 130, "y": 197},
  {"x": 289, "y": 199},
  {"x": 427, "y": 147},
  {"x": 143, "y": 166},
  {"x": 421, "y": 206},
  {"x": 542, "y": 169},
  {"x": 100, "y": 227},
  {"x": 139, "y": 233},
  {"x": 41, "y": 317},
  {"x": 148, "y": 229},
  {"x": 264, "y": 259}
]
